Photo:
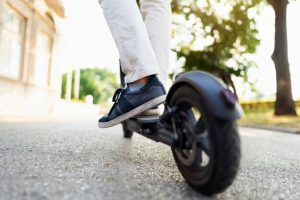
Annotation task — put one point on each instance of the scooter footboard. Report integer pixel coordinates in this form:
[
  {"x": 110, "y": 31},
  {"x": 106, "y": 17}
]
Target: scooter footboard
[{"x": 152, "y": 129}]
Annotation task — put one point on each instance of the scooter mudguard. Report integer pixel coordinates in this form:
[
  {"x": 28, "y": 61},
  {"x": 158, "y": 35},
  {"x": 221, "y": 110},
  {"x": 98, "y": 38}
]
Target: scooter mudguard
[{"x": 217, "y": 98}]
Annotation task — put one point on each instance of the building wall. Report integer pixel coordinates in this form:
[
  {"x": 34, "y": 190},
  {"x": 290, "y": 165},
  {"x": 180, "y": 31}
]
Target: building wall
[{"x": 29, "y": 79}]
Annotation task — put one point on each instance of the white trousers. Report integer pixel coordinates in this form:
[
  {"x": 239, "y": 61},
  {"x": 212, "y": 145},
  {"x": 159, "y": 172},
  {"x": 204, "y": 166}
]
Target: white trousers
[{"x": 142, "y": 36}]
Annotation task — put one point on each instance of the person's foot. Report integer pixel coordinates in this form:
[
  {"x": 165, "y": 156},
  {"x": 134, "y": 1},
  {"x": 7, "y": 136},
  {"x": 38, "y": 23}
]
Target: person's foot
[{"x": 130, "y": 103}]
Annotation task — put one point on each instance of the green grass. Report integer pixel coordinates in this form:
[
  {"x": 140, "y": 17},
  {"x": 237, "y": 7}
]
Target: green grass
[{"x": 265, "y": 117}]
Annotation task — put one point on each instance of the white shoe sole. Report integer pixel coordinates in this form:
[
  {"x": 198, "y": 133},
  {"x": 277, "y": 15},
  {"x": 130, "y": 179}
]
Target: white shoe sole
[
  {"x": 149, "y": 112},
  {"x": 134, "y": 112}
]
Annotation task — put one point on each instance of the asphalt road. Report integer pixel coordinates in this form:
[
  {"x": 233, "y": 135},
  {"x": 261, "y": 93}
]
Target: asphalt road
[{"x": 76, "y": 160}]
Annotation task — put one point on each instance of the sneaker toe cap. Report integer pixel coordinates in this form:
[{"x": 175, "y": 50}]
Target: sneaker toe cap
[{"x": 103, "y": 119}]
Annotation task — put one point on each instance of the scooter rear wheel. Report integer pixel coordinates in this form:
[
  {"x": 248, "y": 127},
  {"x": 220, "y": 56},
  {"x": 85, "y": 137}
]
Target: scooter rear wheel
[{"x": 208, "y": 153}]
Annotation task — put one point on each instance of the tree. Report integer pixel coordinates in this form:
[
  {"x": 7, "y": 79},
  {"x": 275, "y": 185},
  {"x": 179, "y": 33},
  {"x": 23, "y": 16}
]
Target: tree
[
  {"x": 219, "y": 43},
  {"x": 284, "y": 104},
  {"x": 100, "y": 83}
]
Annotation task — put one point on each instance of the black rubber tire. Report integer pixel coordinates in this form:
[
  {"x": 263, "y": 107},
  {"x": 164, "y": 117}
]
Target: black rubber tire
[
  {"x": 225, "y": 143},
  {"x": 126, "y": 133}
]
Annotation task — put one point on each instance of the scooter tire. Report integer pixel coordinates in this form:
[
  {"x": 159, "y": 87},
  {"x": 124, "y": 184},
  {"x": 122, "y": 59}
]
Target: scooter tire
[{"x": 225, "y": 144}]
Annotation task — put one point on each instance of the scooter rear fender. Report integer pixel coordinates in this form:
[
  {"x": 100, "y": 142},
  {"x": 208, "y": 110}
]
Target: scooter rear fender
[{"x": 217, "y": 98}]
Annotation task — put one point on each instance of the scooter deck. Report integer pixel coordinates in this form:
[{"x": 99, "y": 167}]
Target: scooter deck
[
  {"x": 139, "y": 123},
  {"x": 146, "y": 119},
  {"x": 150, "y": 126}
]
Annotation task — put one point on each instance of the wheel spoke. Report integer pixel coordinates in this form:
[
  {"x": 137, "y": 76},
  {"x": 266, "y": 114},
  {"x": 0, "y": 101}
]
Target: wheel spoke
[
  {"x": 203, "y": 141},
  {"x": 191, "y": 117},
  {"x": 185, "y": 153},
  {"x": 200, "y": 126}
]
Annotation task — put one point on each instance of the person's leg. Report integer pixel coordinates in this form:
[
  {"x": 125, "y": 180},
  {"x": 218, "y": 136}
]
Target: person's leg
[
  {"x": 130, "y": 34},
  {"x": 157, "y": 16},
  {"x": 138, "y": 62}
]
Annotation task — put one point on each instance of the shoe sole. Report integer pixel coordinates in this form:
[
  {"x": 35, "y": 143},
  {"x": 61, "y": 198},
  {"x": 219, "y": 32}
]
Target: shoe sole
[
  {"x": 149, "y": 112},
  {"x": 133, "y": 112}
]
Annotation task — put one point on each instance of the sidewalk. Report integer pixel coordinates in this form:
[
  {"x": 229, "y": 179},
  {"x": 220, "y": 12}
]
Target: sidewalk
[
  {"x": 274, "y": 128},
  {"x": 63, "y": 110}
]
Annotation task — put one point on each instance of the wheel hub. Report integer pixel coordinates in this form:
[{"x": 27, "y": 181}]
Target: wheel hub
[{"x": 193, "y": 146}]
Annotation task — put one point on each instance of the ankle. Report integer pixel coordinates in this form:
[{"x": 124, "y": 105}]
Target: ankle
[{"x": 143, "y": 80}]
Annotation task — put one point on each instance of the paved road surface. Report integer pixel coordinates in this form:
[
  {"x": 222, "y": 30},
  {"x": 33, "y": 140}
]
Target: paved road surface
[{"x": 76, "y": 160}]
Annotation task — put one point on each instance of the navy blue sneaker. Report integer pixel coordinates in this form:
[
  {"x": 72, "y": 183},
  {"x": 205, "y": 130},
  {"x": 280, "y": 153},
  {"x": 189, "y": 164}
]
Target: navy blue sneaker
[{"x": 131, "y": 103}]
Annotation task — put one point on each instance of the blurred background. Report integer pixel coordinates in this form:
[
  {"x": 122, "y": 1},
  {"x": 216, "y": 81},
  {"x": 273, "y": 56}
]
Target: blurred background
[{"x": 57, "y": 57}]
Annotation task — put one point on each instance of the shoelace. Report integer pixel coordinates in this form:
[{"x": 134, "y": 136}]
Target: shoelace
[{"x": 116, "y": 97}]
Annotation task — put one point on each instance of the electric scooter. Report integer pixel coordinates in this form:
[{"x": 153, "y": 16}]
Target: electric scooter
[{"x": 199, "y": 124}]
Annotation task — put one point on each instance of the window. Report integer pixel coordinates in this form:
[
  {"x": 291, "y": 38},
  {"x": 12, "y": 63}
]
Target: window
[
  {"x": 12, "y": 32},
  {"x": 42, "y": 59}
]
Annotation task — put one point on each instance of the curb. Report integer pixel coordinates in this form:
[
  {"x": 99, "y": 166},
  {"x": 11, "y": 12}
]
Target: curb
[{"x": 274, "y": 128}]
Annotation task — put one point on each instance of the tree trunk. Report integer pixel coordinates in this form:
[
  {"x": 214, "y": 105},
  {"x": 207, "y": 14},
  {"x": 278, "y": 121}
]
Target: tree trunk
[{"x": 284, "y": 104}]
